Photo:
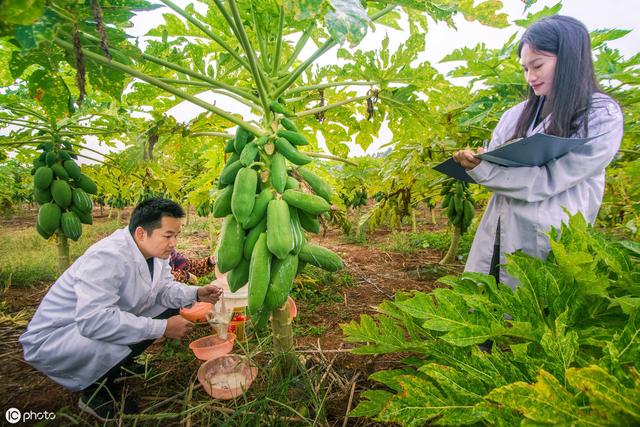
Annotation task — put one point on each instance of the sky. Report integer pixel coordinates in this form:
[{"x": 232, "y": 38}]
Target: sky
[{"x": 440, "y": 41}]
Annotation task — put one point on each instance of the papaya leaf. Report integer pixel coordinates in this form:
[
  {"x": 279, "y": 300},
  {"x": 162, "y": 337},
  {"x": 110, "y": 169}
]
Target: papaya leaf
[
  {"x": 384, "y": 336},
  {"x": 372, "y": 402},
  {"x": 348, "y": 21},
  {"x": 421, "y": 402},
  {"x": 533, "y": 17},
  {"x": 608, "y": 397},
  {"x": 21, "y": 12},
  {"x": 50, "y": 90},
  {"x": 598, "y": 37},
  {"x": 624, "y": 348},
  {"x": 546, "y": 401}
]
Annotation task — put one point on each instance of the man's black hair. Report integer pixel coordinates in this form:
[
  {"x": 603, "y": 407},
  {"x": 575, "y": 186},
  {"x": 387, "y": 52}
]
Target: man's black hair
[{"x": 148, "y": 214}]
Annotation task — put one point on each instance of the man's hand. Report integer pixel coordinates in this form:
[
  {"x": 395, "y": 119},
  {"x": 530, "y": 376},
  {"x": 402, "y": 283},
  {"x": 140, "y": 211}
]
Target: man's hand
[
  {"x": 467, "y": 158},
  {"x": 209, "y": 293},
  {"x": 177, "y": 327}
]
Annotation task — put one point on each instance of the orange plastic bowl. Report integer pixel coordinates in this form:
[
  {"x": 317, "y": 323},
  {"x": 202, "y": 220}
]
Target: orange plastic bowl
[
  {"x": 212, "y": 346},
  {"x": 293, "y": 310},
  {"x": 197, "y": 312},
  {"x": 226, "y": 377}
]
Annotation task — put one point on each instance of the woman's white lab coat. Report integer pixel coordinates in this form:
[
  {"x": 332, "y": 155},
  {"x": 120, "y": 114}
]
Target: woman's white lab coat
[
  {"x": 101, "y": 304},
  {"x": 531, "y": 200}
]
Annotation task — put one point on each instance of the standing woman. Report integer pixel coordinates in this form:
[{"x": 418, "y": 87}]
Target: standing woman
[{"x": 564, "y": 100}]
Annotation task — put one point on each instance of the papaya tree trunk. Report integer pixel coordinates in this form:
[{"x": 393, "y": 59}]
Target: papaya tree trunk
[
  {"x": 283, "y": 339},
  {"x": 101, "y": 210},
  {"x": 63, "y": 252},
  {"x": 188, "y": 211},
  {"x": 433, "y": 216},
  {"x": 453, "y": 248},
  {"x": 119, "y": 216},
  {"x": 110, "y": 212},
  {"x": 414, "y": 223}
]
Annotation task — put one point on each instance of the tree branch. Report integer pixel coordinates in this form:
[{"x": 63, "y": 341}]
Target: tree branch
[
  {"x": 208, "y": 32},
  {"x": 302, "y": 41},
  {"x": 256, "y": 71},
  {"x": 212, "y": 89},
  {"x": 213, "y": 82},
  {"x": 321, "y": 51},
  {"x": 329, "y": 156},
  {"x": 328, "y": 85},
  {"x": 330, "y": 106},
  {"x": 222, "y": 134},
  {"x": 276, "y": 59},
  {"x": 155, "y": 82}
]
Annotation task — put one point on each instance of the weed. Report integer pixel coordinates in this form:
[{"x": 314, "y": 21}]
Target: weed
[
  {"x": 38, "y": 258},
  {"x": 407, "y": 242}
]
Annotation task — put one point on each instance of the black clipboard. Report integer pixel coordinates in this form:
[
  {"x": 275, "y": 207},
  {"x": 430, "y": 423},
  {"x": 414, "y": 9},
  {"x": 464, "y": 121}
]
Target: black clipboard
[{"x": 535, "y": 150}]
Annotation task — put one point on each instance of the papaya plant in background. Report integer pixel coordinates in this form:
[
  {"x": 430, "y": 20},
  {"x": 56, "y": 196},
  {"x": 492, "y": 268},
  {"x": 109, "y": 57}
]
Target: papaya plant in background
[
  {"x": 63, "y": 191},
  {"x": 15, "y": 186},
  {"x": 465, "y": 117},
  {"x": 565, "y": 345},
  {"x": 55, "y": 138},
  {"x": 458, "y": 202}
]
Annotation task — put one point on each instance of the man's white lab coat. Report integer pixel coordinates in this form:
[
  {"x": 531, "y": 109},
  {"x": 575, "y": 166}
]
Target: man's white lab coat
[{"x": 102, "y": 303}]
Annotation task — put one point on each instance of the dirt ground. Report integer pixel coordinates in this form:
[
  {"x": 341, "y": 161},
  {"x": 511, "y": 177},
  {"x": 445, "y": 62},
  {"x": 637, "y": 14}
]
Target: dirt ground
[{"x": 376, "y": 274}]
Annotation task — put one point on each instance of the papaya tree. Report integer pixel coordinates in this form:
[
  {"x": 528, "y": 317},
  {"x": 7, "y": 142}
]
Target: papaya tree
[
  {"x": 53, "y": 138},
  {"x": 465, "y": 116},
  {"x": 251, "y": 52}
]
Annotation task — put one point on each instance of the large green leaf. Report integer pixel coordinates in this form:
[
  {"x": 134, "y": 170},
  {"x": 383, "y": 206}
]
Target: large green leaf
[
  {"x": 546, "y": 401},
  {"x": 22, "y": 12},
  {"x": 51, "y": 92},
  {"x": 555, "y": 328},
  {"x": 347, "y": 21},
  {"x": 607, "y": 396}
]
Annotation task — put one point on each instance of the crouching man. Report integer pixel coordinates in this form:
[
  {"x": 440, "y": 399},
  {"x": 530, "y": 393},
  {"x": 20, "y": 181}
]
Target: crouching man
[{"x": 109, "y": 306}]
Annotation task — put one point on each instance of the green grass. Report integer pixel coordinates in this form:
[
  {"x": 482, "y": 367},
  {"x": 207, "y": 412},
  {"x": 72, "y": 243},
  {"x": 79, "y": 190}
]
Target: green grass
[
  {"x": 406, "y": 242},
  {"x": 313, "y": 288},
  {"x": 27, "y": 259},
  {"x": 173, "y": 393}
]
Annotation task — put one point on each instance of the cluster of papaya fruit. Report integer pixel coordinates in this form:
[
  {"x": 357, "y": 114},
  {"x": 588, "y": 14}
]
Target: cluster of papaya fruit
[
  {"x": 458, "y": 201},
  {"x": 268, "y": 200},
  {"x": 61, "y": 190}
]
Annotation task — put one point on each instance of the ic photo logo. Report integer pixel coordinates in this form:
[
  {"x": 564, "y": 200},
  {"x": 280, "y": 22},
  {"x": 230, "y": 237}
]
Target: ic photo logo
[{"x": 14, "y": 416}]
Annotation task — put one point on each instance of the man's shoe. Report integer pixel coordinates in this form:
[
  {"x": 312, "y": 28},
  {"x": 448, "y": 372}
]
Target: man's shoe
[
  {"x": 98, "y": 403},
  {"x": 104, "y": 405}
]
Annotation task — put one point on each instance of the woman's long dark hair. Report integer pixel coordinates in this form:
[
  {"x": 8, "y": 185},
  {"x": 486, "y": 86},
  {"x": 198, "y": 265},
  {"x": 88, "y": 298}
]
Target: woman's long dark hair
[{"x": 574, "y": 81}]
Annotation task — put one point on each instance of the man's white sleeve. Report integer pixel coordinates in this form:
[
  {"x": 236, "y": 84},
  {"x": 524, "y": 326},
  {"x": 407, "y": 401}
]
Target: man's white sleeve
[{"x": 174, "y": 294}]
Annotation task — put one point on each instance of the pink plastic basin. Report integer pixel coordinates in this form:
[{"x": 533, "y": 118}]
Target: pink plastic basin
[
  {"x": 212, "y": 346},
  {"x": 226, "y": 377}
]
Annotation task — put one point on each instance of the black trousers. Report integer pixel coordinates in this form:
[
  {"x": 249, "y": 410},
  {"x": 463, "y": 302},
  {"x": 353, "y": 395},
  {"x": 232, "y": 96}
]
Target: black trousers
[
  {"x": 136, "y": 350},
  {"x": 494, "y": 269}
]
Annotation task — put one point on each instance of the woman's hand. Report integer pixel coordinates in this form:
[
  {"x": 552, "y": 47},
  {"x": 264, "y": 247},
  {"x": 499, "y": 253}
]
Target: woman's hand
[{"x": 467, "y": 158}]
